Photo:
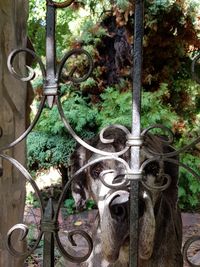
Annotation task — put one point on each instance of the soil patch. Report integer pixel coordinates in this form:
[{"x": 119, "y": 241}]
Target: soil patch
[{"x": 85, "y": 221}]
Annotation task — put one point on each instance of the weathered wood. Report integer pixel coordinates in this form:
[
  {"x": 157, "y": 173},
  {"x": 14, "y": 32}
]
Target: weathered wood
[{"x": 13, "y": 95}]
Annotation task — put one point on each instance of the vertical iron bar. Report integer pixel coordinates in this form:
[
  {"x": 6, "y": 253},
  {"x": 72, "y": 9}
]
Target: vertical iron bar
[
  {"x": 48, "y": 249},
  {"x": 136, "y": 130},
  {"x": 51, "y": 86},
  {"x": 50, "y": 42}
]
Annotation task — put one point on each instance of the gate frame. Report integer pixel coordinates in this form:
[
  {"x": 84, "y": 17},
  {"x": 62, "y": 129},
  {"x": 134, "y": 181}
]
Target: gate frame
[{"x": 49, "y": 227}]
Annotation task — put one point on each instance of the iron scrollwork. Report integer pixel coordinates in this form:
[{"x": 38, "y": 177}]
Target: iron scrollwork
[
  {"x": 51, "y": 89},
  {"x": 131, "y": 175},
  {"x": 49, "y": 217},
  {"x": 192, "y": 239}
]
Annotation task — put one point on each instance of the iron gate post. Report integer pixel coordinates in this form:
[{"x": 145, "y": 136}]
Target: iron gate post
[
  {"x": 48, "y": 227},
  {"x": 50, "y": 90},
  {"x": 135, "y": 139}
]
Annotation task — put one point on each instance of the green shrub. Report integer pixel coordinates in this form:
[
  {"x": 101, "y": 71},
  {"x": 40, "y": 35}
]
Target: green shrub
[
  {"x": 170, "y": 97},
  {"x": 189, "y": 185}
]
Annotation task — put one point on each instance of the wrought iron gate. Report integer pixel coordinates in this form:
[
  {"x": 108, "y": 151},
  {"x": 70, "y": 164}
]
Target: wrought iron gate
[{"x": 49, "y": 227}]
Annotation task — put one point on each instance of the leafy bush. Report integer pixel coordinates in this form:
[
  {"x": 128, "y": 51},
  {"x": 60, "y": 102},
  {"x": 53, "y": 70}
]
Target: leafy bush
[
  {"x": 189, "y": 186},
  {"x": 32, "y": 200},
  {"x": 49, "y": 144},
  {"x": 69, "y": 204},
  {"x": 45, "y": 150},
  {"x": 169, "y": 96},
  {"x": 116, "y": 108}
]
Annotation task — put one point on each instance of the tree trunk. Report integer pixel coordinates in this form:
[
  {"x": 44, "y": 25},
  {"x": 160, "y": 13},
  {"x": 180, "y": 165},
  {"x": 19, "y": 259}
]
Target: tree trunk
[{"x": 13, "y": 114}]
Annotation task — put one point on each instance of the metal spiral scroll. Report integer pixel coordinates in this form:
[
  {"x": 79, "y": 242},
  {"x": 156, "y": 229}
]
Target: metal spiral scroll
[
  {"x": 155, "y": 156},
  {"x": 49, "y": 218},
  {"x": 50, "y": 225},
  {"x": 192, "y": 239}
]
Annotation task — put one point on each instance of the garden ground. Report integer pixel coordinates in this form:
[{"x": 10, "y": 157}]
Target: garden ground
[{"x": 85, "y": 221}]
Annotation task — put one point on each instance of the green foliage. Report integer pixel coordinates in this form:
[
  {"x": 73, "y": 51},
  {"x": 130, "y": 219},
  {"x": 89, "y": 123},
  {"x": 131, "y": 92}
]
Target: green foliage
[
  {"x": 45, "y": 150},
  {"x": 122, "y": 4},
  {"x": 90, "y": 204},
  {"x": 50, "y": 144},
  {"x": 116, "y": 108},
  {"x": 69, "y": 204},
  {"x": 185, "y": 93},
  {"x": 79, "y": 113},
  {"x": 88, "y": 84},
  {"x": 169, "y": 96},
  {"x": 189, "y": 185},
  {"x": 36, "y": 22},
  {"x": 32, "y": 200},
  {"x": 36, "y": 29},
  {"x": 155, "y": 110},
  {"x": 92, "y": 33}
]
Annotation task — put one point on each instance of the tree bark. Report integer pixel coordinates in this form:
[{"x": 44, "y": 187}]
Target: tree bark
[{"x": 13, "y": 114}]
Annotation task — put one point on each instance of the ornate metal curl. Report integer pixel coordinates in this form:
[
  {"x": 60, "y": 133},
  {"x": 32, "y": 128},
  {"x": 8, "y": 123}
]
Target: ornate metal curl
[
  {"x": 52, "y": 77},
  {"x": 120, "y": 185},
  {"x": 86, "y": 166},
  {"x": 86, "y": 145},
  {"x": 45, "y": 225},
  {"x": 169, "y": 141},
  {"x": 186, "y": 247},
  {"x": 151, "y": 152},
  {"x": 24, "y": 232},
  {"x": 163, "y": 175},
  {"x": 75, "y": 52},
  {"x": 71, "y": 234},
  {"x": 113, "y": 175},
  {"x": 155, "y": 156},
  {"x": 51, "y": 87},
  {"x": 23, "y": 227},
  {"x": 31, "y": 76}
]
